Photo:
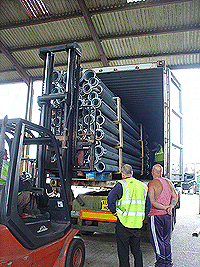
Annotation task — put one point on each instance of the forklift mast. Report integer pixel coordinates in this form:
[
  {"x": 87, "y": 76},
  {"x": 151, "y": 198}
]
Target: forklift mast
[
  {"x": 58, "y": 104},
  {"x": 52, "y": 145}
]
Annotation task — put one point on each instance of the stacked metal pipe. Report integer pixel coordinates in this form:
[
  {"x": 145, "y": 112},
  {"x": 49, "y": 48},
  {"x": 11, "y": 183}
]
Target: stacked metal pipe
[
  {"x": 58, "y": 88},
  {"x": 99, "y": 122},
  {"x": 105, "y": 135}
]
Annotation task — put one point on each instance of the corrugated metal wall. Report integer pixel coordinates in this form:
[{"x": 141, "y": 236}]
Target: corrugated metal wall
[{"x": 141, "y": 92}]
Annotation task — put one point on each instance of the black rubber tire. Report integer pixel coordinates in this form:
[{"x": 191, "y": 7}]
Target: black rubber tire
[{"x": 76, "y": 253}]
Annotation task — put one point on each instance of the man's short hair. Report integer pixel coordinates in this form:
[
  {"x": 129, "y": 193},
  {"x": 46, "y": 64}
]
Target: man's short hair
[
  {"x": 158, "y": 168},
  {"x": 127, "y": 170}
]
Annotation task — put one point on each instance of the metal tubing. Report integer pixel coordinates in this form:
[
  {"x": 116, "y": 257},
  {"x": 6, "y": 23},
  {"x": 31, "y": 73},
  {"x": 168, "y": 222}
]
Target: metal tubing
[
  {"x": 119, "y": 122},
  {"x": 96, "y": 102},
  {"x": 45, "y": 98},
  {"x": 106, "y": 110},
  {"x": 110, "y": 141},
  {"x": 131, "y": 150},
  {"x": 133, "y": 158},
  {"x": 89, "y": 119},
  {"x": 110, "y": 155},
  {"x": 97, "y": 89},
  {"x": 109, "y": 161},
  {"x": 96, "y": 159},
  {"x": 130, "y": 129},
  {"x": 93, "y": 81},
  {"x": 108, "y": 99},
  {"x": 92, "y": 95},
  {"x": 109, "y": 148},
  {"x": 99, "y": 151},
  {"x": 108, "y": 124},
  {"x": 107, "y": 137},
  {"x": 113, "y": 130},
  {"x": 100, "y": 135},
  {"x": 98, "y": 112},
  {"x": 89, "y": 74},
  {"x": 106, "y": 151},
  {"x": 131, "y": 162},
  {"x": 87, "y": 88},
  {"x": 100, "y": 167},
  {"x": 131, "y": 140},
  {"x": 57, "y": 76},
  {"x": 81, "y": 83},
  {"x": 100, "y": 119},
  {"x": 106, "y": 89},
  {"x": 110, "y": 134},
  {"x": 129, "y": 120}
]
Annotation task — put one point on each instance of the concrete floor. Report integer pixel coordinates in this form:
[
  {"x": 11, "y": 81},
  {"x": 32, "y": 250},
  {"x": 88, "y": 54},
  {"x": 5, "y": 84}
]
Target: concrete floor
[
  {"x": 101, "y": 248},
  {"x": 185, "y": 247}
]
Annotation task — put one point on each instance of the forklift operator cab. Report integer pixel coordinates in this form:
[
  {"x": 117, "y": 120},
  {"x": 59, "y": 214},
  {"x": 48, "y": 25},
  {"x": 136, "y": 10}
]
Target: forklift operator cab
[
  {"x": 38, "y": 228},
  {"x": 38, "y": 236}
]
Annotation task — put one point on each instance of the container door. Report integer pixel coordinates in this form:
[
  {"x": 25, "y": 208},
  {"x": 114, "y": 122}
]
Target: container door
[{"x": 175, "y": 127}]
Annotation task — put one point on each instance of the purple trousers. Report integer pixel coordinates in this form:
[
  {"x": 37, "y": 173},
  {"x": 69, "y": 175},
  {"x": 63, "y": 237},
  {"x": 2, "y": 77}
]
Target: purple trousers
[{"x": 160, "y": 234}]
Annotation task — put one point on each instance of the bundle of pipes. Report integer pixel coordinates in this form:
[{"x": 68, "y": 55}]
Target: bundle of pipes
[
  {"x": 100, "y": 116},
  {"x": 58, "y": 88}
]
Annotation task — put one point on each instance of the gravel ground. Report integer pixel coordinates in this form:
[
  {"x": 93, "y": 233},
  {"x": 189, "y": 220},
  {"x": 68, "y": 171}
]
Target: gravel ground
[{"x": 101, "y": 249}]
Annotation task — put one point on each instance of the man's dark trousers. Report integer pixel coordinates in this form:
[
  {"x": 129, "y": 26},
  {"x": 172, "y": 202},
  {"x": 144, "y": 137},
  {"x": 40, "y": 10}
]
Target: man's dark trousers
[
  {"x": 160, "y": 234},
  {"x": 128, "y": 237}
]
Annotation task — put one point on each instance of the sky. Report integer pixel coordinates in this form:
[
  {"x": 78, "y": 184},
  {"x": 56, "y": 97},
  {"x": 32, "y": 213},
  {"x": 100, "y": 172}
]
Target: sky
[{"x": 13, "y": 103}]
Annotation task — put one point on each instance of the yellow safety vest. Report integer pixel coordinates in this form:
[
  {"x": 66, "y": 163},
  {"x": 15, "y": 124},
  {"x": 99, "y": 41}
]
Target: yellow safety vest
[
  {"x": 4, "y": 172},
  {"x": 159, "y": 156},
  {"x": 131, "y": 207}
]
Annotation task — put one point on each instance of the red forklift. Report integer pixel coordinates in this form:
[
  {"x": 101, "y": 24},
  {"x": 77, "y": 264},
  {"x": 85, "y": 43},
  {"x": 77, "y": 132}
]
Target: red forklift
[{"x": 35, "y": 225}]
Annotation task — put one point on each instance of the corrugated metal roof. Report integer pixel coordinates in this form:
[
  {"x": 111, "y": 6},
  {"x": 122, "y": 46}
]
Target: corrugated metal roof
[
  {"x": 133, "y": 33},
  {"x": 152, "y": 18},
  {"x": 52, "y": 32},
  {"x": 12, "y": 11}
]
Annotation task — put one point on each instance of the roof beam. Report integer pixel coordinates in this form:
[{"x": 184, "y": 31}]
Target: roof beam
[
  {"x": 93, "y": 32},
  {"x": 115, "y": 58},
  {"x": 16, "y": 65},
  {"x": 184, "y": 66},
  {"x": 104, "y": 9},
  {"x": 110, "y": 37}
]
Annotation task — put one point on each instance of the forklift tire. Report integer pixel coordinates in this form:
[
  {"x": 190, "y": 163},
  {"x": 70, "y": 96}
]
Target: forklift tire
[{"x": 76, "y": 253}]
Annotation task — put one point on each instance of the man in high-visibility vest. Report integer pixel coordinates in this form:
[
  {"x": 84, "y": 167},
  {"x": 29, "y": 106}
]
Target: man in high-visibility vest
[
  {"x": 159, "y": 153},
  {"x": 129, "y": 202},
  {"x": 4, "y": 169}
]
